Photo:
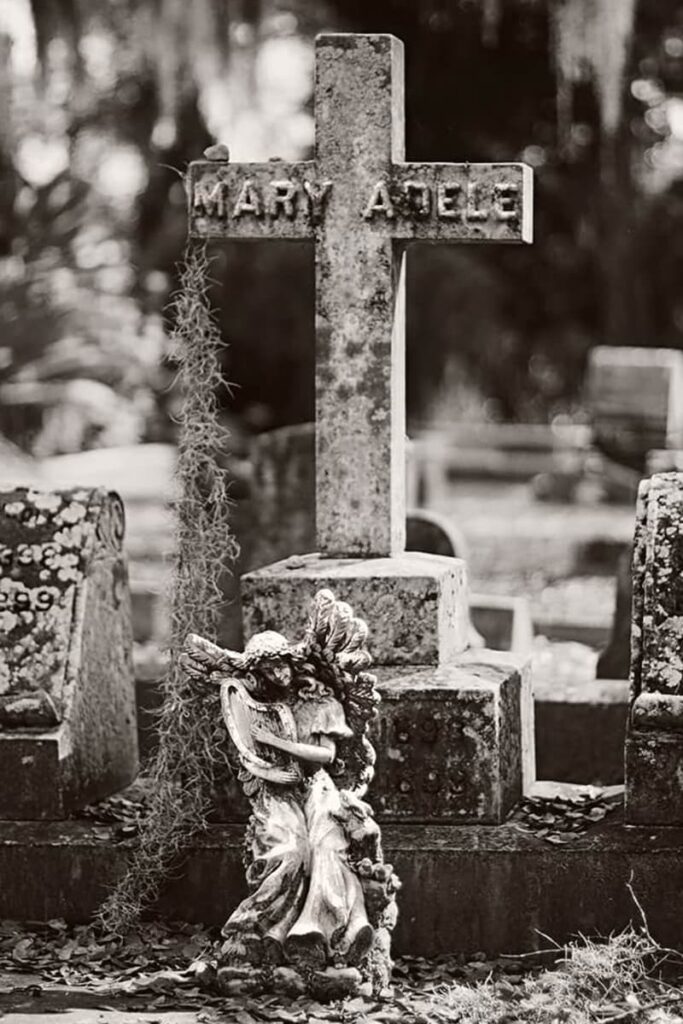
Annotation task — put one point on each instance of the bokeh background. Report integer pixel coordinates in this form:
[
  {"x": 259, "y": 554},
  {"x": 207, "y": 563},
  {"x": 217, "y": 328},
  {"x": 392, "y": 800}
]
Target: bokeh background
[{"x": 103, "y": 103}]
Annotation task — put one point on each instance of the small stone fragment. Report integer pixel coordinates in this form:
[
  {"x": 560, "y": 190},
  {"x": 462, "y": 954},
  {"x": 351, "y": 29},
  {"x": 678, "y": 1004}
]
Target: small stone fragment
[
  {"x": 335, "y": 983},
  {"x": 288, "y": 981},
  {"x": 205, "y": 973},
  {"x": 219, "y": 153}
]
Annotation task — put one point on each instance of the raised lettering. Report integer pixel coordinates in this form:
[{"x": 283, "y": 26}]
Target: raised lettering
[
  {"x": 505, "y": 201},
  {"x": 281, "y": 196},
  {"x": 418, "y": 197},
  {"x": 248, "y": 201},
  {"x": 317, "y": 197},
  {"x": 446, "y": 201},
  {"x": 472, "y": 211},
  {"x": 210, "y": 199},
  {"x": 379, "y": 202}
]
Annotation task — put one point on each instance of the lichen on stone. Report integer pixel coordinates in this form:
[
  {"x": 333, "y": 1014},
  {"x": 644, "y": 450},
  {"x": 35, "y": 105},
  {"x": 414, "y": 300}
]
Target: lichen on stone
[{"x": 46, "y": 542}]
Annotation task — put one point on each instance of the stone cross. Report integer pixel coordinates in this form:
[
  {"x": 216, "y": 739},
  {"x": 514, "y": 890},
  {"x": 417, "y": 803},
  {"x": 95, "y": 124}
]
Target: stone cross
[{"x": 361, "y": 203}]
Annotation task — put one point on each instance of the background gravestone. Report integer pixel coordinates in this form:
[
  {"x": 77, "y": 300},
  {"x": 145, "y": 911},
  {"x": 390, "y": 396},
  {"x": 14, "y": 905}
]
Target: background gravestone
[
  {"x": 67, "y": 698},
  {"x": 654, "y": 746},
  {"x": 636, "y": 401}
]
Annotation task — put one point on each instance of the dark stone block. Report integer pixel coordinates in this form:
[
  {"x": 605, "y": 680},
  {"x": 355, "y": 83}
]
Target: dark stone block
[
  {"x": 580, "y": 732},
  {"x": 449, "y": 742},
  {"x": 654, "y": 778},
  {"x": 31, "y": 770}
]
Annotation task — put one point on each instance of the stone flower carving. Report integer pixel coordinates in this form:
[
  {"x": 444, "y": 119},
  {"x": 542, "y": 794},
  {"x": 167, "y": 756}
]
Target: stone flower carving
[{"x": 321, "y": 903}]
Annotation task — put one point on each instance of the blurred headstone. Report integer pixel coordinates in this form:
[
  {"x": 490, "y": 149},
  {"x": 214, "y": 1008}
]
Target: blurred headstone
[
  {"x": 614, "y": 662},
  {"x": 665, "y": 460},
  {"x": 635, "y": 396}
]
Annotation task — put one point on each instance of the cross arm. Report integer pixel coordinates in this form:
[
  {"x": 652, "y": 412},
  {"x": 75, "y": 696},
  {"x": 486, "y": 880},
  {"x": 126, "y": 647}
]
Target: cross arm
[
  {"x": 275, "y": 199},
  {"x": 437, "y": 202}
]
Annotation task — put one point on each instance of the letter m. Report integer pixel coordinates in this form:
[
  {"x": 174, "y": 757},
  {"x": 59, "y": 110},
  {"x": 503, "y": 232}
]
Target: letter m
[{"x": 209, "y": 199}]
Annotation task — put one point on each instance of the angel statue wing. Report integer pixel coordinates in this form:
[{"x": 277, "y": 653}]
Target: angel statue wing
[
  {"x": 203, "y": 660},
  {"x": 241, "y": 712},
  {"x": 335, "y": 651}
]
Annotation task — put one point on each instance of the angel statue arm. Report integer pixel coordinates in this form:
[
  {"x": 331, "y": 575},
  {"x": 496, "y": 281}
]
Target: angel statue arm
[
  {"x": 203, "y": 660},
  {"x": 323, "y": 752}
]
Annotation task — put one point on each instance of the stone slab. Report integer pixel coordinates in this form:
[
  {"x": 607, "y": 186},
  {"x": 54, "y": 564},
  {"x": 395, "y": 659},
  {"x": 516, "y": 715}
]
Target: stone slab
[
  {"x": 466, "y": 888},
  {"x": 415, "y": 604},
  {"x": 449, "y": 742},
  {"x": 67, "y": 698},
  {"x": 580, "y": 730}
]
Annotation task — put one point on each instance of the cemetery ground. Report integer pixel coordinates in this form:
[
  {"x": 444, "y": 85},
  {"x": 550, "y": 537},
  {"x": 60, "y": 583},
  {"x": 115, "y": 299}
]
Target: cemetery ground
[{"x": 52, "y": 972}]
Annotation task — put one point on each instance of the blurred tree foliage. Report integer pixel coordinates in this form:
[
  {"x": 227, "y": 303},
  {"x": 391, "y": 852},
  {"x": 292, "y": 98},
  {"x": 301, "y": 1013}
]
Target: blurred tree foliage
[{"x": 538, "y": 80}]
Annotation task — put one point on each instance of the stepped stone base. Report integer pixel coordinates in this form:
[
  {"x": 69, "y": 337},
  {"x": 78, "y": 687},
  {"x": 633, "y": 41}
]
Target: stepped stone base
[{"x": 466, "y": 888}]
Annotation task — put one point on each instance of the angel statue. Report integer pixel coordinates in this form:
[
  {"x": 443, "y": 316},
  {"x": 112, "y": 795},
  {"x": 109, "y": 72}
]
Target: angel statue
[{"x": 321, "y": 903}]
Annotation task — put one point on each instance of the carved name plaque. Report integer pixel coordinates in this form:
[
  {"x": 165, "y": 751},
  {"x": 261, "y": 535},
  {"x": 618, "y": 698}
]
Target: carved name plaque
[{"x": 467, "y": 201}]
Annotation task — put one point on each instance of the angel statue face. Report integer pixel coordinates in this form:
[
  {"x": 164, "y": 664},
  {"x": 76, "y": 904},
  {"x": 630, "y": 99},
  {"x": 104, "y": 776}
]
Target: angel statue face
[{"x": 269, "y": 656}]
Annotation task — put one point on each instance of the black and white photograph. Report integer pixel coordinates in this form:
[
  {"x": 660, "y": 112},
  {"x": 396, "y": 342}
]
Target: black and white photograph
[{"x": 341, "y": 511}]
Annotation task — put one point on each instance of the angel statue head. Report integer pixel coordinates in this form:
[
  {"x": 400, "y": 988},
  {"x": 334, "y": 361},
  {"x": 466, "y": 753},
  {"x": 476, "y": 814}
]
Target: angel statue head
[
  {"x": 267, "y": 660},
  {"x": 270, "y": 654}
]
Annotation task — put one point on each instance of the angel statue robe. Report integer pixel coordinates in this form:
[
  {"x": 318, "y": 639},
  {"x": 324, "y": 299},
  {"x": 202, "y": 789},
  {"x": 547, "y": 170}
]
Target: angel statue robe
[{"x": 305, "y": 899}]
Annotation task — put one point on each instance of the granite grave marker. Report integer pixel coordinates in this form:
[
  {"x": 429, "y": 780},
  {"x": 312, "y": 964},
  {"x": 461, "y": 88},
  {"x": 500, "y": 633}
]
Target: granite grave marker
[{"x": 67, "y": 700}]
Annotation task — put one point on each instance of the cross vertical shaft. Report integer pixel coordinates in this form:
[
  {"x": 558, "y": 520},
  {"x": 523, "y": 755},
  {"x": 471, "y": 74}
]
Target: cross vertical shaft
[{"x": 360, "y": 365}]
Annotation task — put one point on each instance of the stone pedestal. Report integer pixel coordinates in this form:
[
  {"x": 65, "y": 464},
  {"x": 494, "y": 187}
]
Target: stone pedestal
[
  {"x": 454, "y": 733},
  {"x": 449, "y": 742},
  {"x": 67, "y": 698},
  {"x": 415, "y": 604}
]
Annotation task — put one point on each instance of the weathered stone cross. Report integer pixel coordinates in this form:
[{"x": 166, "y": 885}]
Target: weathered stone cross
[{"x": 361, "y": 203}]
